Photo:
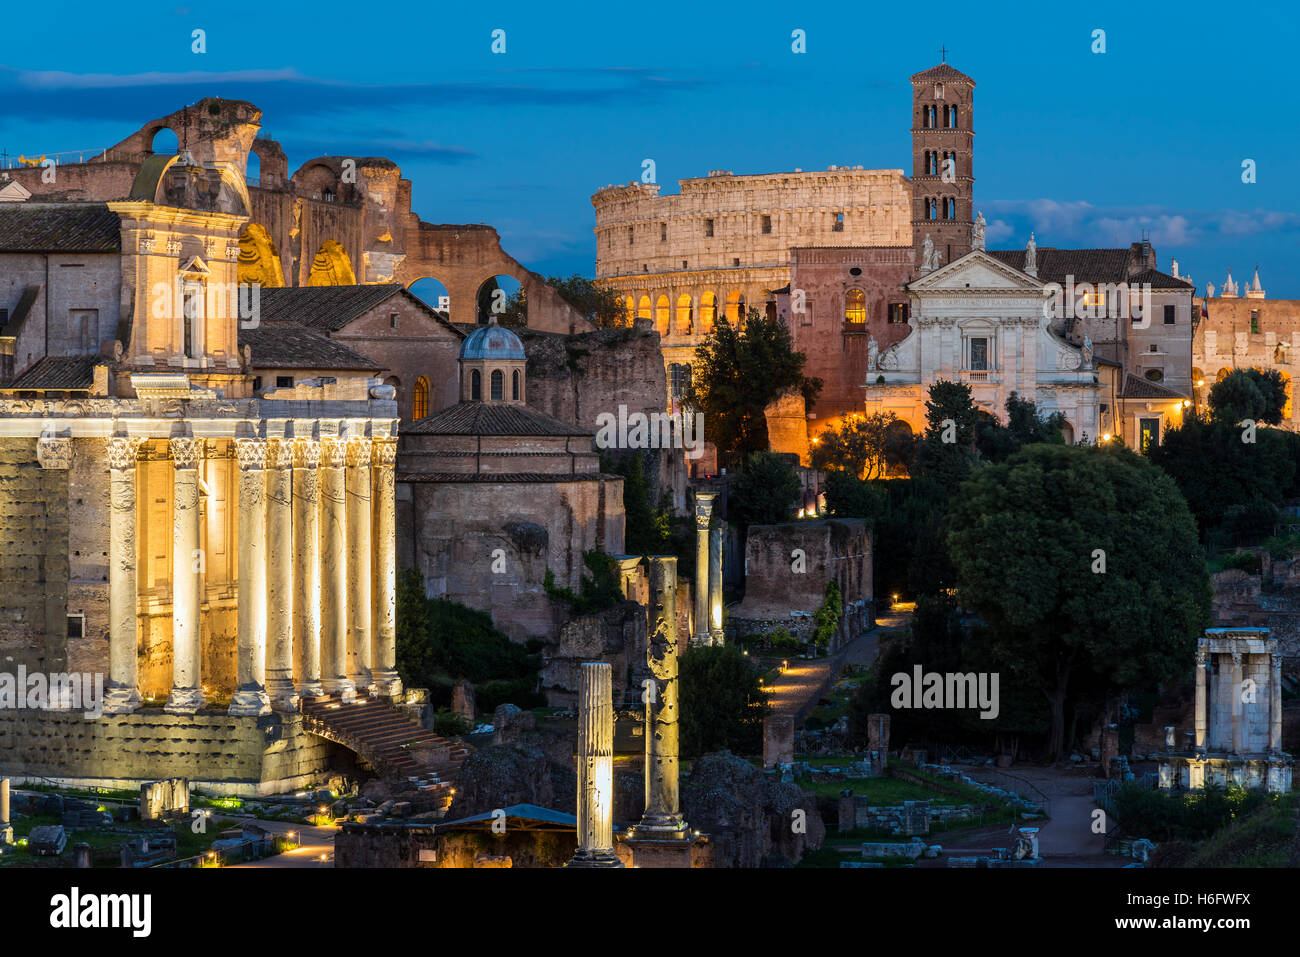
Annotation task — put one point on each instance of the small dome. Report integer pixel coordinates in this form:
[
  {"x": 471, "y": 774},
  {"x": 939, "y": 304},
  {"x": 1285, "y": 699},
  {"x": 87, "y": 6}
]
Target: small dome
[{"x": 492, "y": 342}]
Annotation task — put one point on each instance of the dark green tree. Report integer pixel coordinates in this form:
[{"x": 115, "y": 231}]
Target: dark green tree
[
  {"x": 601, "y": 305},
  {"x": 764, "y": 492},
  {"x": 946, "y": 452},
  {"x": 859, "y": 447},
  {"x": 720, "y": 703},
  {"x": 1084, "y": 566},
  {"x": 739, "y": 371}
]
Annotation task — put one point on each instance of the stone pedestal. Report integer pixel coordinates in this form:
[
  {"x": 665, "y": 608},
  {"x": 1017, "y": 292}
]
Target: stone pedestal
[
  {"x": 649, "y": 852},
  {"x": 662, "y": 818},
  {"x": 187, "y": 693},
  {"x": 595, "y": 769}
]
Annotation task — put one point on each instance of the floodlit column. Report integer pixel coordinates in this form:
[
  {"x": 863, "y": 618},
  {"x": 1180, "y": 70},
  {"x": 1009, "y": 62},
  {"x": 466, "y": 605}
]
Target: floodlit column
[
  {"x": 358, "y": 558},
  {"x": 279, "y": 575},
  {"x": 1236, "y": 702},
  {"x": 715, "y": 584},
  {"x": 187, "y": 693},
  {"x": 1202, "y": 663},
  {"x": 250, "y": 697},
  {"x": 1275, "y": 704},
  {"x": 595, "y": 768},
  {"x": 384, "y": 489},
  {"x": 123, "y": 693},
  {"x": 703, "y": 512},
  {"x": 306, "y": 566},
  {"x": 662, "y": 816},
  {"x": 4, "y": 803},
  {"x": 334, "y": 571}
]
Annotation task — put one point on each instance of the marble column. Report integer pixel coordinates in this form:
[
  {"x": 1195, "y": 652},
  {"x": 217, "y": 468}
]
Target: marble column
[
  {"x": 1275, "y": 703},
  {"x": 122, "y": 696},
  {"x": 384, "y": 489},
  {"x": 279, "y": 575},
  {"x": 595, "y": 768},
  {"x": 306, "y": 566},
  {"x": 250, "y": 696},
  {"x": 700, "y": 586},
  {"x": 187, "y": 691},
  {"x": 1236, "y": 702},
  {"x": 334, "y": 571},
  {"x": 663, "y": 817},
  {"x": 715, "y": 584},
  {"x": 359, "y": 560},
  {"x": 1202, "y": 663}
]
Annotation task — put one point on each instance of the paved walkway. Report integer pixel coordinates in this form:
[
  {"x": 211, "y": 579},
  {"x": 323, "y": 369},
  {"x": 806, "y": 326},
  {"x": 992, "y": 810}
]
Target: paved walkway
[
  {"x": 797, "y": 691},
  {"x": 316, "y": 850}
]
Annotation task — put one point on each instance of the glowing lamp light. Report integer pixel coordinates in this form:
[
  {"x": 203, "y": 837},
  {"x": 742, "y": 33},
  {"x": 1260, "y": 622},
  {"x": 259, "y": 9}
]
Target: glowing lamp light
[
  {"x": 1186, "y": 403},
  {"x": 1106, "y": 437}
]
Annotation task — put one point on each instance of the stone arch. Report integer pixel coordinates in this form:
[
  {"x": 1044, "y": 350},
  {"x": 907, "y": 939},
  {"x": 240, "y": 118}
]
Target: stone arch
[
  {"x": 319, "y": 181},
  {"x": 332, "y": 266},
  {"x": 735, "y": 306},
  {"x": 685, "y": 318},
  {"x": 1067, "y": 432},
  {"x": 259, "y": 259},
  {"x": 662, "y": 317},
  {"x": 643, "y": 308},
  {"x": 272, "y": 162},
  {"x": 431, "y": 290},
  {"x": 152, "y": 143},
  {"x": 493, "y": 296},
  {"x": 708, "y": 312}
]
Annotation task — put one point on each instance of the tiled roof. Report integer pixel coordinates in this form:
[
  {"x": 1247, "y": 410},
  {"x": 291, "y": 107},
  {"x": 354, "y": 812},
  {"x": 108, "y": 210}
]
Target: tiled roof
[
  {"x": 58, "y": 372},
  {"x": 1159, "y": 280},
  {"x": 1135, "y": 387},
  {"x": 59, "y": 227},
  {"x": 504, "y": 478},
  {"x": 943, "y": 71},
  {"x": 329, "y": 307},
  {"x": 287, "y": 345},
  {"x": 492, "y": 418},
  {"x": 1085, "y": 265}
]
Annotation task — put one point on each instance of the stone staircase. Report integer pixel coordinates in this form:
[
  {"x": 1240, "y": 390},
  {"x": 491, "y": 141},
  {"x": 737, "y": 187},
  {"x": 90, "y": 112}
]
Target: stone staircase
[{"x": 389, "y": 741}]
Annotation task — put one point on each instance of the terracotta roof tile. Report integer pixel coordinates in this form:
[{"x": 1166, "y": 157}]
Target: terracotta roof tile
[
  {"x": 59, "y": 227},
  {"x": 287, "y": 345},
  {"x": 58, "y": 372},
  {"x": 492, "y": 418}
]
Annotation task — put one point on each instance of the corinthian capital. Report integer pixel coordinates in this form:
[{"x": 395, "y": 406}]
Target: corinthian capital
[
  {"x": 358, "y": 451},
  {"x": 122, "y": 452},
  {"x": 186, "y": 452},
  {"x": 306, "y": 453},
  {"x": 279, "y": 453},
  {"x": 333, "y": 453},
  {"x": 384, "y": 453},
  {"x": 251, "y": 453}
]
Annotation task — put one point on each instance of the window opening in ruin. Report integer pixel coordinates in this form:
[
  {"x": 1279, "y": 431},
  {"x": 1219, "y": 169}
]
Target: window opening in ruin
[
  {"x": 708, "y": 227},
  {"x": 767, "y": 224}
]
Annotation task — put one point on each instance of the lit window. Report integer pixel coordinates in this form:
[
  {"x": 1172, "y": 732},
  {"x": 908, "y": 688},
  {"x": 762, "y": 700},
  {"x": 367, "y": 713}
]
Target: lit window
[
  {"x": 897, "y": 312},
  {"x": 420, "y": 397},
  {"x": 855, "y": 306}
]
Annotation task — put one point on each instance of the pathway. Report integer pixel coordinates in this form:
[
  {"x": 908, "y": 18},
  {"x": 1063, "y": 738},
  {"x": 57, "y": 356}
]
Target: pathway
[{"x": 316, "y": 849}]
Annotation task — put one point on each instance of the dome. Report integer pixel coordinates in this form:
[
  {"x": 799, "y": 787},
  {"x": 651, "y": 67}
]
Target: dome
[{"x": 492, "y": 342}]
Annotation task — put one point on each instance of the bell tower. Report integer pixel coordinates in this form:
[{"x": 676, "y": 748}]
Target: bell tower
[{"x": 943, "y": 161}]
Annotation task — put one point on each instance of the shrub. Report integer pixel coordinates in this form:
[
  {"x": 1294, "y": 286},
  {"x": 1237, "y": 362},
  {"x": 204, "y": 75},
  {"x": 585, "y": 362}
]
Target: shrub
[{"x": 1247, "y": 562}]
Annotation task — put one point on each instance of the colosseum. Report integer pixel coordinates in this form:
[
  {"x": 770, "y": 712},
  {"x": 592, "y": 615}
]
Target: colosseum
[{"x": 723, "y": 242}]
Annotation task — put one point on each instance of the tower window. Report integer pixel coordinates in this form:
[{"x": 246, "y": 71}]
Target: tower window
[
  {"x": 838, "y": 225},
  {"x": 498, "y": 385},
  {"x": 630, "y": 234},
  {"x": 1254, "y": 322},
  {"x": 663, "y": 232},
  {"x": 708, "y": 227},
  {"x": 767, "y": 225}
]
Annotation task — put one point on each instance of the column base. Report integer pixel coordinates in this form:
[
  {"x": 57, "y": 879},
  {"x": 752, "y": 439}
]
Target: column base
[
  {"x": 121, "y": 699},
  {"x": 6, "y": 835},
  {"x": 364, "y": 683},
  {"x": 284, "y": 696},
  {"x": 701, "y": 641},
  {"x": 184, "y": 701},
  {"x": 661, "y": 827},
  {"x": 249, "y": 702},
  {"x": 343, "y": 687},
  {"x": 312, "y": 690},
  {"x": 583, "y": 859},
  {"x": 386, "y": 683},
  {"x": 718, "y": 637}
]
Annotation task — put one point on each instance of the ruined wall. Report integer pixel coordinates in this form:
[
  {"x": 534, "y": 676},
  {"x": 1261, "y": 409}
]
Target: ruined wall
[
  {"x": 616, "y": 636},
  {"x": 537, "y": 525},
  {"x": 243, "y": 756},
  {"x": 33, "y": 560},
  {"x": 787, "y": 426},
  {"x": 1225, "y": 341}
]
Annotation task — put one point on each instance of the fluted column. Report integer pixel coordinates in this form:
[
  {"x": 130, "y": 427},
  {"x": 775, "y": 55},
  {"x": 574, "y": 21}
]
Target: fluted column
[
  {"x": 334, "y": 570},
  {"x": 715, "y": 584},
  {"x": 123, "y": 693},
  {"x": 279, "y": 575},
  {"x": 663, "y": 817},
  {"x": 384, "y": 489},
  {"x": 700, "y": 587},
  {"x": 1202, "y": 663},
  {"x": 1275, "y": 704},
  {"x": 306, "y": 566},
  {"x": 187, "y": 692},
  {"x": 595, "y": 768},
  {"x": 358, "y": 552},
  {"x": 250, "y": 697}
]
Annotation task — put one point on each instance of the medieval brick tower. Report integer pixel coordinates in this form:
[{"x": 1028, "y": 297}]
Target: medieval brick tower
[{"x": 943, "y": 161}]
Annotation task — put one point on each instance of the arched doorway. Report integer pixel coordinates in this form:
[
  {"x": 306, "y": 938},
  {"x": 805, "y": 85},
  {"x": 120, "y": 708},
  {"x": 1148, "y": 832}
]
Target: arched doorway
[{"x": 735, "y": 306}]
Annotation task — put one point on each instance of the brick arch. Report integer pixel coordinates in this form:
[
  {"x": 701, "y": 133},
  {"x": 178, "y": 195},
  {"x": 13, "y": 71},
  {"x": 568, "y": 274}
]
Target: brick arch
[{"x": 149, "y": 132}]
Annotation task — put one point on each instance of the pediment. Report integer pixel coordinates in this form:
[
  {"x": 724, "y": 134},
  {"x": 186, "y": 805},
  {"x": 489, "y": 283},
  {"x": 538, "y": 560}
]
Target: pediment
[
  {"x": 975, "y": 270},
  {"x": 14, "y": 192},
  {"x": 196, "y": 266}
]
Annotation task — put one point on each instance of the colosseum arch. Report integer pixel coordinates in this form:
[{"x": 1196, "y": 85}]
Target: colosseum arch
[
  {"x": 685, "y": 315},
  {"x": 663, "y": 318},
  {"x": 708, "y": 312},
  {"x": 259, "y": 260},
  {"x": 735, "y": 308},
  {"x": 331, "y": 267},
  {"x": 643, "y": 308}
]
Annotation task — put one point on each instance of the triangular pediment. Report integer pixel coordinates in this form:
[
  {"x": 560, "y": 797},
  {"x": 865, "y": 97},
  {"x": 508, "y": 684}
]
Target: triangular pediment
[
  {"x": 197, "y": 266},
  {"x": 13, "y": 191},
  {"x": 976, "y": 270}
]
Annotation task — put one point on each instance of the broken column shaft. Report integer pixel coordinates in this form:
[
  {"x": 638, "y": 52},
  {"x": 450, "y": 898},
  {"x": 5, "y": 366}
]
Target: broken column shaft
[{"x": 663, "y": 817}]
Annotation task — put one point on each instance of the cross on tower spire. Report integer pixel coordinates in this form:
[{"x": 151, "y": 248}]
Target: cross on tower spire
[{"x": 943, "y": 54}]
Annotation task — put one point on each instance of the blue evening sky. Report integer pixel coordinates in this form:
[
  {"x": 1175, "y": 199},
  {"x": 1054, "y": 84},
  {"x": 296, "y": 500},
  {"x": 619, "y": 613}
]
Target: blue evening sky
[{"x": 1086, "y": 149}]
